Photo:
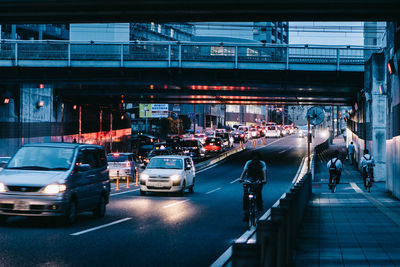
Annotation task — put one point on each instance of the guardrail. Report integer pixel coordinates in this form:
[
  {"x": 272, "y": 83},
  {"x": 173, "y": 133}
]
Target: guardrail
[
  {"x": 176, "y": 54},
  {"x": 220, "y": 157}
]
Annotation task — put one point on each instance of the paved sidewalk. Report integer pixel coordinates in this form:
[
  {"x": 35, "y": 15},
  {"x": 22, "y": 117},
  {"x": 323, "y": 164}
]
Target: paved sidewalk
[{"x": 350, "y": 227}]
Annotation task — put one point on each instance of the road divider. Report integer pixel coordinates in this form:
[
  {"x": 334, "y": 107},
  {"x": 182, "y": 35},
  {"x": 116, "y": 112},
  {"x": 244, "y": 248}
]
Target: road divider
[{"x": 208, "y": 163}]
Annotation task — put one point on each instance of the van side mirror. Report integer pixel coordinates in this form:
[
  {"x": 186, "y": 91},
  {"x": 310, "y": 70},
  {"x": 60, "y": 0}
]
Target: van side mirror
[{"x": 82, "y": 167}]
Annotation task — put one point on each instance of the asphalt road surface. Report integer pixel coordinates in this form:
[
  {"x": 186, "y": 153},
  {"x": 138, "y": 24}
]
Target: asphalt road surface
[{"x": 157, "y": 229}]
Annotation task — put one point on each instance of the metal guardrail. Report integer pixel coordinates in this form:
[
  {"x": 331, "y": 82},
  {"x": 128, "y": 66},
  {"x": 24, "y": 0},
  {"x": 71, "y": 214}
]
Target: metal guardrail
[{"x": 175, "y": 54}]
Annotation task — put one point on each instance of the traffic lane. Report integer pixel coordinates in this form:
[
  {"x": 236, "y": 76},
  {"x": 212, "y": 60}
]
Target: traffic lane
[
  {"x": 145, "y": 218},
  {"x": 219, "y": 221}
]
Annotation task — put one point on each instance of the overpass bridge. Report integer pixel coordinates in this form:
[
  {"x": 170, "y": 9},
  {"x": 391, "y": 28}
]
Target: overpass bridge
[
  {"x": 191, "y": 55},
  {"x": 232, "y": 73}
]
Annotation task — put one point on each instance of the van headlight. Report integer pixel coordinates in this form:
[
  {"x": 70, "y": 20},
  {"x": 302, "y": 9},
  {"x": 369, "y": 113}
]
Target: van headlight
[
  {"x": 144, "y": 176},
  {"x": 2, "y": 188},
  {"x": 175, "y": 178},
  {"x": 54, "y": 189}
]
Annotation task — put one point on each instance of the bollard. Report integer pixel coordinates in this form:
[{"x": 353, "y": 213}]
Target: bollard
[
  {"x": 127, "y": 181},
  {"x": 117, "y": 188},
  {"x": 137, "y": 177},
  {"x": 241, "y": 144}
]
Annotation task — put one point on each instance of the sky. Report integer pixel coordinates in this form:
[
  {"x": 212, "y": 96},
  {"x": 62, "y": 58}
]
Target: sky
[{"x": 322, "y": 33}]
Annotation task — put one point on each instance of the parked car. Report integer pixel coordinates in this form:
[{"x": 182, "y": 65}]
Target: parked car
[
  {"x": 272, "y": 131},
  {"x": 157, "y": 152},
  {"x": 3, "y": 162},
  {"x": 55, "y": 179},
  {"x": 193, "y": 148},
  {"x": 214, "y": 145},
  {"x": 123, "y": 165},
  {"x": 240, "y": 136},
  {"x": 227, "y": 139},
  {"x": 168, "y": 174}
]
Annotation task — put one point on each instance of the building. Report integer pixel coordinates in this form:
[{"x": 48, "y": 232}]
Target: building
[
  {"x": 271, "y": 32},
  {"x": 162, "y": 31},
  {"x": 34, "y": 31}
]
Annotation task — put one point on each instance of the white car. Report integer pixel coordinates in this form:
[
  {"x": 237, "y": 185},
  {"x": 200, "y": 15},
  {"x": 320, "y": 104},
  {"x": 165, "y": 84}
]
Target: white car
[
  {"x": 168, "y": 174},
  {"x": 272, "y": 131}
]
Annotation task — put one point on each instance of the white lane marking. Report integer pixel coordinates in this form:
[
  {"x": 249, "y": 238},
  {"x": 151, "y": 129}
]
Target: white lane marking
[
  {"x": 176, "y": 203},
  {"x": 120, "y": 193},
  {"x": 212, "y": 191},
  {"x": 356, "y": 188},
  {"x": 212, "y": 166},
  {"x": 234, "y": 181},
  {"x": 283, "y": 151},
  {"x": 100, "y": 227},
  {"x": 223, "y": 258}
]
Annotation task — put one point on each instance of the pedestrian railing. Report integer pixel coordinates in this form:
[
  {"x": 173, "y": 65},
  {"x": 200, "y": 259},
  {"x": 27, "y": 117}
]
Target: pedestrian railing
[{"x": 178, "y": 54}]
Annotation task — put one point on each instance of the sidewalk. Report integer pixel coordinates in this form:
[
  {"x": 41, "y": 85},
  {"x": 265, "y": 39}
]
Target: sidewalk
[{"x": 350, "y": 227}]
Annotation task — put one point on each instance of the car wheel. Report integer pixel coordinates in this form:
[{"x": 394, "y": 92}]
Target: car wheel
[
  {"x": 191, "y": 189},
  {"x": 3, "y": 219},
  {"x": 142, "y": 193},
  {"x": 70, "y": 216},
  {"x": 100, "y": 210},
  {"x": 182, "y": 191}
]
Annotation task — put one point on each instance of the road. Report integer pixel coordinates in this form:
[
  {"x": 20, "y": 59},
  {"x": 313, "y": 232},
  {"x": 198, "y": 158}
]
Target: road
[{"x": 155, "y": 230}]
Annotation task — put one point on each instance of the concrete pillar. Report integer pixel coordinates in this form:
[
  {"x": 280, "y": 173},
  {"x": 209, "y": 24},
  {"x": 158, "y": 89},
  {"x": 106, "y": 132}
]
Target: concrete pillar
[{"x": 377, "y": 104}]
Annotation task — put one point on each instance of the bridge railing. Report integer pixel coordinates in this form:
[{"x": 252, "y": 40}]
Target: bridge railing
[{"x": 175, "y": 53}]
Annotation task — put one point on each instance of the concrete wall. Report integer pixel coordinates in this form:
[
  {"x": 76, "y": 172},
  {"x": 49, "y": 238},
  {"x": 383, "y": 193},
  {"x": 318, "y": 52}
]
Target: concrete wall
[{"x": 393, "y": 115}]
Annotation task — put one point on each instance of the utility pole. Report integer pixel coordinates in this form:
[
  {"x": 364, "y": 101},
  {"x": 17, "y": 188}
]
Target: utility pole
[
  {"x": 195, "y": 119},
  {"x": 333, "y": 122},
  {"x": 62, "y": 122},
  {"x": 337, "y": 119},
  {"x": 111, "y": 129},
  {"x": 283, "y": 115},
  {"x": 101, "y": 124}
]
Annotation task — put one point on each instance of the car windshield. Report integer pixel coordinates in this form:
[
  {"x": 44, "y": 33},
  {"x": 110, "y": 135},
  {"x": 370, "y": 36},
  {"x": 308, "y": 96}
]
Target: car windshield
[
  {"x": 213, "y": 141},
  {"x": 189, "y": 143},
  {"x": 117, "y": 158},
  {"x": 158, "y": 152},
  {"x": 42, "y": 158},
  {"x": 165, "y": 163},
  {"x": 271, "y": 128}
]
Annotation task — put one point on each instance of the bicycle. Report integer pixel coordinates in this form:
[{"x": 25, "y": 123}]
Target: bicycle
[
  {"x": 369, "y": 178},
  {"x": 250, "y": 189},
  {"x": 332, "y": 184}
]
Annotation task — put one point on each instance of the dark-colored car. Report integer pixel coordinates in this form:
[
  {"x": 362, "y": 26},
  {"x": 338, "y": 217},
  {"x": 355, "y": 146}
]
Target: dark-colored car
[
  {"x": 157, "y": 152},
  {"x": 240, "y": 136},
  {"x": 214, "y": 145},
  {"x": 227, "y": 138},
  {"x": 55, "y": 179},
  {"x": 174, "y": 147},
  {"x": 123, "y": 165},
  {"x": 193, "y": 148}
]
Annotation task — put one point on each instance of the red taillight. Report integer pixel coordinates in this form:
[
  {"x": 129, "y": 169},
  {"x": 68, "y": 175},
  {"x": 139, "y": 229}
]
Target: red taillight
[
  {"x": 242, "y": 135},
  {"x": 116, "y": 154},
  {"x": 128, "y": 163}
]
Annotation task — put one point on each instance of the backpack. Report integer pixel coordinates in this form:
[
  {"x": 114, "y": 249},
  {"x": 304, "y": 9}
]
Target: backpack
[
  {"x": 368, "y": 162},
  {"x": 332, "y": 167},
  {"x": 255, "y": 170}
]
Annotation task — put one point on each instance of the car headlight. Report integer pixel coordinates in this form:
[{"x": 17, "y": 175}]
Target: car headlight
[
  {"x": 175, "y": 177},
  {"x": 144, "y": 176},
  {"x": 54, "y": 188},
  {"x": 2, "y": 188}
]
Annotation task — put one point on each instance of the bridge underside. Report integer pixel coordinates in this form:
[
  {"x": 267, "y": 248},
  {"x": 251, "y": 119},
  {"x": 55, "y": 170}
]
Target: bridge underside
[
  {"x": 56, "y": 11},
  {"x": 104, "y": 86}
]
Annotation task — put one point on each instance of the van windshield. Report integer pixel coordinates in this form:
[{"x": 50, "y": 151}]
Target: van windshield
[
  {"x": 165, "y": 163},
  {"x": 42, "y": 158}
]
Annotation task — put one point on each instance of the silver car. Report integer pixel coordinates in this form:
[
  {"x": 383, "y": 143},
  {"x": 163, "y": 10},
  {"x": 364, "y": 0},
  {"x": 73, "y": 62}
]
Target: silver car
[{"x": 55, "y": 179}]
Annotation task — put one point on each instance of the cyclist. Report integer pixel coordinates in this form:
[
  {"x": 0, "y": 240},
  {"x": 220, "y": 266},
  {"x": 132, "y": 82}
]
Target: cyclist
[
  {"x": 335, "y": 166},
  {"x": 367, "y": 162},
  {"x": 351, "y": 148},
  {"x": 255, "y": 170}
]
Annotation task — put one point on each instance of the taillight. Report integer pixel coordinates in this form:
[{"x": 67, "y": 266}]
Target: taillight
[
  {"x": 128, "y": 163},
  {"x": 242, "y": 135}
]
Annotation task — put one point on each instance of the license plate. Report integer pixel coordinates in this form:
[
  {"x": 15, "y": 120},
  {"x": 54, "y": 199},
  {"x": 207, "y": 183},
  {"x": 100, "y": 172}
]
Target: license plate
[{"x": 21, "y": 205}]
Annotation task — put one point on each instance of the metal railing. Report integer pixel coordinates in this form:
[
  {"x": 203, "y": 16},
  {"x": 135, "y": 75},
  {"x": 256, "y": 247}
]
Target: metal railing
[{"x": 175, "y": 54}]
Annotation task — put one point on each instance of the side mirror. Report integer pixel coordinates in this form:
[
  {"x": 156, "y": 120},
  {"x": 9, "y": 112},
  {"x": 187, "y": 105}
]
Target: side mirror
[
  {"x": 188, "y": 168},
  {"x": 82, "y": 167},
  {"x": 2, "y": 164}
]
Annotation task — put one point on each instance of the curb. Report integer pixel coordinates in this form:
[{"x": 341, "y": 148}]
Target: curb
[{"x": 221, "y": 157}]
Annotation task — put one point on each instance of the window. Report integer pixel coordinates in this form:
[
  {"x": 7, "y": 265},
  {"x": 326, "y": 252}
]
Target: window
[
  {"x": 159, "y": 28},
  {"x": 101, "y": 157},
  {"x": 172, "y": 33},
  {"x": 188, "y": 164},
  {"x": 152, "y": 26}
]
